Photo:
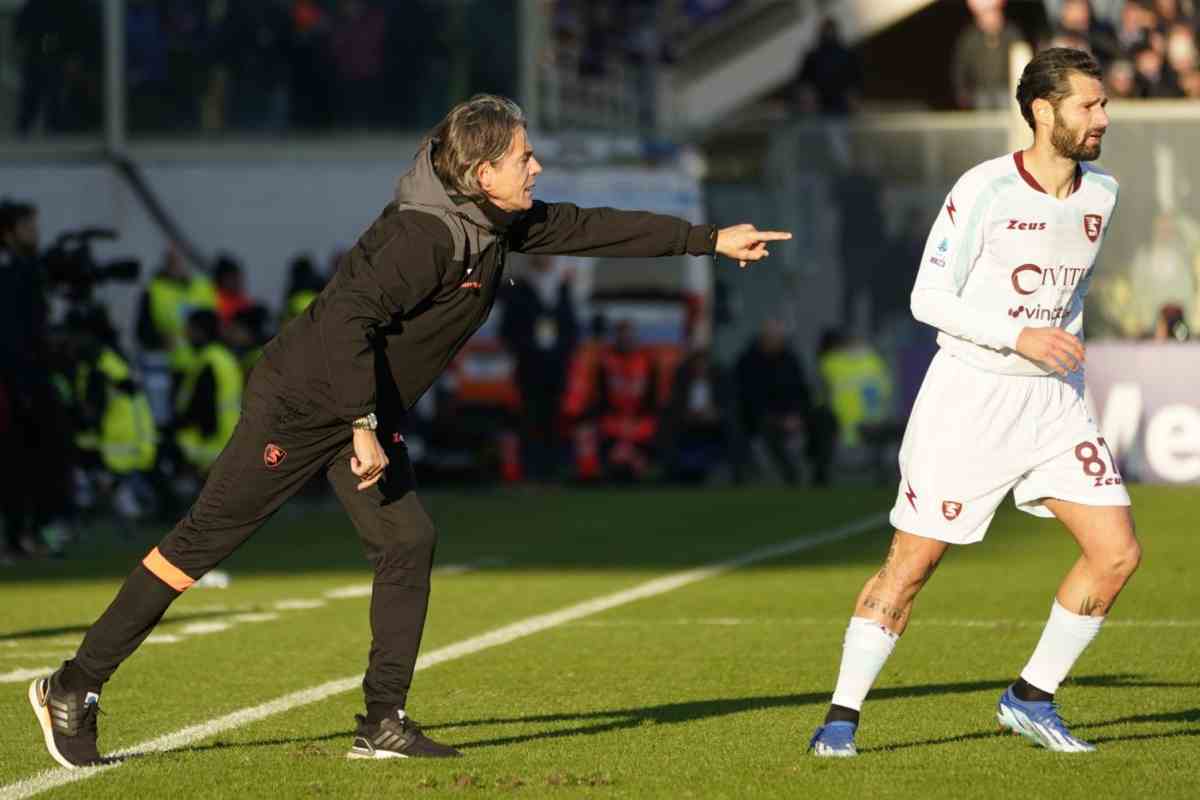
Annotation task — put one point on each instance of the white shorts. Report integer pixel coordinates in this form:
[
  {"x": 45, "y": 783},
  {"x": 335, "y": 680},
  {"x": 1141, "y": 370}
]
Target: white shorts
[{"x": 974, "y": 435}]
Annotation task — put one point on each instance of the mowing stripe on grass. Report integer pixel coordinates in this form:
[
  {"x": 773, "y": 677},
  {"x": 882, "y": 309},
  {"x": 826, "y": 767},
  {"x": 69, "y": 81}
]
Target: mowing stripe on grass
[{"x": 50, "y": 779}]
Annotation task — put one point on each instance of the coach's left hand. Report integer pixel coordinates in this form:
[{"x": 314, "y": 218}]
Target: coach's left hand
[
  {"x": 745, "y": 243},
  {"x": 369, "y": 461}
]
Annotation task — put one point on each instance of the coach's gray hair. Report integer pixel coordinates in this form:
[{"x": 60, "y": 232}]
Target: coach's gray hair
[{"x": 475, "y": 132}]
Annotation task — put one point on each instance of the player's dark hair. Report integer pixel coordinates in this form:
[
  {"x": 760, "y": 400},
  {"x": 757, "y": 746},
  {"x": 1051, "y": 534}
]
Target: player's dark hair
[{"x": 1048, "y": 77}]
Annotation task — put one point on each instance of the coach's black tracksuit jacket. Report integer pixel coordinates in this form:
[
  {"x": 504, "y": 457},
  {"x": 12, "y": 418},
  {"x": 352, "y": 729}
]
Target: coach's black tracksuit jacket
[{"x": 413, "y": 289}]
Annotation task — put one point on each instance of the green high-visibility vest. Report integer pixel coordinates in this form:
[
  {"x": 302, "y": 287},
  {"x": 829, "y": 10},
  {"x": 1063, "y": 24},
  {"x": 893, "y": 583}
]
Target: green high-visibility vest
[
  {"x": 126, "y": 438},
  {"x": 860, "y": 389},
  {"x": 198, "y": 449},
  {"x": 299, "y": 302},
  {"x": 170, "y": 304}
]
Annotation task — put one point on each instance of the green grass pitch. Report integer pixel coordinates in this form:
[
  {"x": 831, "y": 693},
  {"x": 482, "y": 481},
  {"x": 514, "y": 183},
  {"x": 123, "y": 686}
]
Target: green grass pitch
[{"x": 710, "y": 690}]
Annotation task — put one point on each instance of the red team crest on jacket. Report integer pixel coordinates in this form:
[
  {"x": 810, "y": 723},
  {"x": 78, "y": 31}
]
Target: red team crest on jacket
[
  {"x": 951, "y": 509},
  {"x": 1091, "y": 226},
  {"x": 274, "y": 455}
]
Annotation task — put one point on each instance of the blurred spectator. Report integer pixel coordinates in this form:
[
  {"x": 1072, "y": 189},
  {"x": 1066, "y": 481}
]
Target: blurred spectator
[
  {"x": 304, "y": 284},
  {"x": 541, "y": 328},
  {"x": 24, "y": 382},
  {"x": 1169, "y": 14},
  {"x": 146, "y": 67},
  {"x": 624, "y": 411},
  {"x": 1153, "y": 80},
  {"x": 858, "y": 382},
  {"x": 1181, "y": 50},
  {"x": 358, "y": 37},
  {"x": 831, "y": 78},
  {"x": 1076, "y": 20},
  {"x": 1162, "y": 274},
  {"x": 777, "y": 406},
  {"x": 310, "y": 67},
  {"x": 1136, "y": 24},
  {"x": 247, "y": 334},
  {"x": 231, "y": 288},
  {"x": 115, "y": 432},
  {"x": 60, "y": 46},
  {"x": 209, "y": 399},
  {"x": 699, "y": 424},
  {"x": 1189, "y": 82},
  {"x": 1121, "y": 79},
  {"x": 254, "y": 54},
  {"x": 979, "y": 65},
  {"x": 1171, "y": 326},
  {"x": 171, "y": 295}
]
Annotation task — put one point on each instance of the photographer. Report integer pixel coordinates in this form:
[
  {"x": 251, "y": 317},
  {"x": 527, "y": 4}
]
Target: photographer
[{"x": 24, "y": 383}]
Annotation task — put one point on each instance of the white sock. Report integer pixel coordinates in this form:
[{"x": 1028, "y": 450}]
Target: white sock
[
  {"x": 864, "y": 651},
  {"x": 1064, "y": 639}
]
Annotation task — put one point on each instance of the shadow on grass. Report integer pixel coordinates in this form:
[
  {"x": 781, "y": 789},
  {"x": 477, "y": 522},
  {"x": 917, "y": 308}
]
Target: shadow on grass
[
  {"x": 605, "y": 721},
  {"x": 164, "y": 626},
  {"x": 620, "y": 719}
]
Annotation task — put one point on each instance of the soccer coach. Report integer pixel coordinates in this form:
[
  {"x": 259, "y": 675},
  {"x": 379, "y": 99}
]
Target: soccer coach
[{"x": 332, "y": 390}]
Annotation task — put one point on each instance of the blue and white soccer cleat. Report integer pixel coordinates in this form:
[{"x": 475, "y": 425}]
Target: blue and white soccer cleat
[
  {"x": 834, "y": 740},
  {"x": 1039, "y": 722}
]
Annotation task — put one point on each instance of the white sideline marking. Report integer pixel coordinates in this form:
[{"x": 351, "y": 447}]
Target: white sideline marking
[
  {"x": 298, "y": 605},
  {"x": 18, "y": 675},
  {"x": 163, "y": 638},
  {"x": 53, "y": 778},
  {"x": 255, "y": 616},
  {"x": 200, "y": 628},
  {"x": 357, "y": 590}
]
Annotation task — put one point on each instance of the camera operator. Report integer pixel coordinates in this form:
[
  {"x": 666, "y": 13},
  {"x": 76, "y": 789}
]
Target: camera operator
[{"x": 24, "y": 384}]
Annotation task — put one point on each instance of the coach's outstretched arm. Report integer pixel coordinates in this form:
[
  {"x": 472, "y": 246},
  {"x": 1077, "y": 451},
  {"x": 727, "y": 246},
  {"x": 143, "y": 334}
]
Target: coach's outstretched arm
[{"x": 567, "y": 229}]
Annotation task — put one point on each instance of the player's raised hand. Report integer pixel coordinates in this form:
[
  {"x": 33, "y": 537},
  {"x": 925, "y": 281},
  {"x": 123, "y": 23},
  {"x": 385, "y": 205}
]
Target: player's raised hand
[
  {"x": 745, "y": 243},
  {"x": 369, "y": 461},
  {"x": 1052, "y": 347}
]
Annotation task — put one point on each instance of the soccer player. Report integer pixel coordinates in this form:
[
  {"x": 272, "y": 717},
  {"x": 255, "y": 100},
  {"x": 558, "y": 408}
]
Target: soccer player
[
  {"x": 330, "y": 393},
  {"x": 1003, "y": 278}
]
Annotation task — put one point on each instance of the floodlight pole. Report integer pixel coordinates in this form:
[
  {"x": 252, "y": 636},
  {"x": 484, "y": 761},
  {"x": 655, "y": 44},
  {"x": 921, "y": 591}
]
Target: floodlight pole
[{"x": 114, "y": 76}]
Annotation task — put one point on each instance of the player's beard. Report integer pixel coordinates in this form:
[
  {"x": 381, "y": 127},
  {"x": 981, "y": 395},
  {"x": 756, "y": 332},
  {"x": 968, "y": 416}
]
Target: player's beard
[{"x": 1071, "y": 142}]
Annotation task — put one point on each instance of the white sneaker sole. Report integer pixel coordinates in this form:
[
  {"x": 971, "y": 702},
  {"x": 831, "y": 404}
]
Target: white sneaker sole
[
  {"x": 373, "y": 755},
  {"x": 826, "y": 752},
  {"x": 37, "y": 699},
  {"x": 1020, "y": 724}
]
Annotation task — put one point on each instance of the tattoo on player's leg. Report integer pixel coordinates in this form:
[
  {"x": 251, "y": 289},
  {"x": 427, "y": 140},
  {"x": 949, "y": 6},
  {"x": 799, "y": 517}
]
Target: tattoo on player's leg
[
  {"x": 894, "y": 613},
  {"x": 1091, "y": 605}
]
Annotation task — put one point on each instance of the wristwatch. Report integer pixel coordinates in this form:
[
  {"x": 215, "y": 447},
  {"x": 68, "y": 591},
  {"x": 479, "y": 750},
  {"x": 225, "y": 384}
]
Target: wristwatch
[{"x": 367, "y": 423}]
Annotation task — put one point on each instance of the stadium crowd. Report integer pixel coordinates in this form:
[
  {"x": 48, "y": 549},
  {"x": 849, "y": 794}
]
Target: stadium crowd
[{"x": 1146, "y": 47}]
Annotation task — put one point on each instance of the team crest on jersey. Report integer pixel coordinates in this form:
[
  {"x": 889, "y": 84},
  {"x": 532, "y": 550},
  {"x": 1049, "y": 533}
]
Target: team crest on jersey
[
  {"x": 1092, "y": 225},
  {"x": 951, "y": 509},
  {"x": 273, "y": 455}
]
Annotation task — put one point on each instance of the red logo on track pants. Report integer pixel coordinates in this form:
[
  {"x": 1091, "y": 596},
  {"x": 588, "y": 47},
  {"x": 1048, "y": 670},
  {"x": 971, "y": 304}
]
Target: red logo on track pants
[{"x": 274, "y": 455}]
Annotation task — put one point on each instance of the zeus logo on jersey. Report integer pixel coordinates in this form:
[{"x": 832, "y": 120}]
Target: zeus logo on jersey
[
  {"x": 1018, "y": 225},
  {"x": 1028, "y": 278}
]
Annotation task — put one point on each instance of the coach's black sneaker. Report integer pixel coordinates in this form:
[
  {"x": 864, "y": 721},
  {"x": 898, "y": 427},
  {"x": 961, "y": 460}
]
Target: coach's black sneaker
[
  {"x": 68, "y": 721},
  {"x": 395, "y": 737}
]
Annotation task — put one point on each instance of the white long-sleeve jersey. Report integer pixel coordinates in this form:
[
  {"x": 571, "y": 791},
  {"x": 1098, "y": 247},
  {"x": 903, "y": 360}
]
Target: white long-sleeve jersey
[{"x": 1004, "y": 255}]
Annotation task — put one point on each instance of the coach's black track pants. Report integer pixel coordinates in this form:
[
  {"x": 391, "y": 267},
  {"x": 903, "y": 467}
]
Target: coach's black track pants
[{"x": 280, "y": 442}]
